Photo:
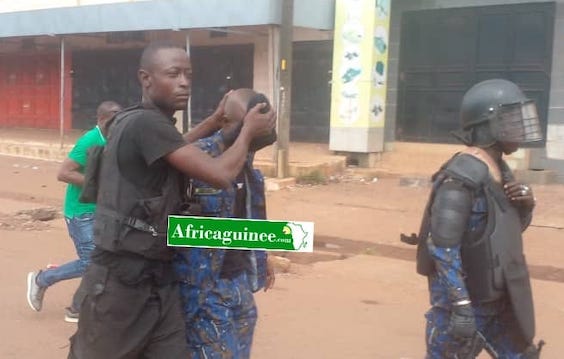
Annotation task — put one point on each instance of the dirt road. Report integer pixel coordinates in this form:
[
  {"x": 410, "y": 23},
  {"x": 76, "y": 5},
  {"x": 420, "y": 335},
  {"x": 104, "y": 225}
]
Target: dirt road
[{"x": 357, "y": 296}]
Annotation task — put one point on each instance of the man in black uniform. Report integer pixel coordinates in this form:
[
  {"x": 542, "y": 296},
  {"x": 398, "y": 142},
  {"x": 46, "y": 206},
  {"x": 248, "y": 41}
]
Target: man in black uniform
[
  {"x": 470, "y": 243},
  {"x": 132, "y": 309}
]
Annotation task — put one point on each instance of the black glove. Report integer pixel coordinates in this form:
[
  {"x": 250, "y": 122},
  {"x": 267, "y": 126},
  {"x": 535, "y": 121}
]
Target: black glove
[{"x": 462, "y": 324}]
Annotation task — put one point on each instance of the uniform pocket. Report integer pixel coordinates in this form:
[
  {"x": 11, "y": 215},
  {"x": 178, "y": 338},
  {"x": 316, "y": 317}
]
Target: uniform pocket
[
  {"x": 94, "y": 284},
  {"x": 149, "y": 209}
]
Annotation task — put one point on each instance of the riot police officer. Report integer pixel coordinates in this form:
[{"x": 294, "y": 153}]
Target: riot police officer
[{"x": 470, "y": 243}]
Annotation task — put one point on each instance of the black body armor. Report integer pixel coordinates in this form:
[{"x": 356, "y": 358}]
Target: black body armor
[
  {"x": 128, "y": 219},
  {"x": 494, "y": 263}
]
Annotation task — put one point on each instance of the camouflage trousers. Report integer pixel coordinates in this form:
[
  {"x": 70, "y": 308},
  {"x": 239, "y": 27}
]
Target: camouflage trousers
[
  {"x": 222, "y": 326},
  {"x": 495, "y": 322}
]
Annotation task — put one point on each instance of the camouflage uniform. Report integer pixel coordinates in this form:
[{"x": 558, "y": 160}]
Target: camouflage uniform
[
  {"x": 220, "y": 313},
  {"x": 494, "y": 320}
]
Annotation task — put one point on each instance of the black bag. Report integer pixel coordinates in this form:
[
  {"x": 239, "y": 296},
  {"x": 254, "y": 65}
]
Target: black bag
[{"x": 91, "y": 175}]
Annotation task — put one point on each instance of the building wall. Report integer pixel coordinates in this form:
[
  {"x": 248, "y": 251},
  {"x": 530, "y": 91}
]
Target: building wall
[
  {"x": 30, "y": 90},
  {"x": 398, "y": 7},
  {"x": 259, "y": 36},
  {"x": 552, "y": 156},
  {"x": 549, "y": 158}
]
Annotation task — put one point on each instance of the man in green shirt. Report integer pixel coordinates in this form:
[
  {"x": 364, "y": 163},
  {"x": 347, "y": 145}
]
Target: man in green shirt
[{"x": 79, "y": 217}]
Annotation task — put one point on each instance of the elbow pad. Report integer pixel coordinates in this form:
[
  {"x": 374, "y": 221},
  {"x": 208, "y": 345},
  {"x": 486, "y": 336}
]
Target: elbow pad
[{"x": 450, "y": 213}]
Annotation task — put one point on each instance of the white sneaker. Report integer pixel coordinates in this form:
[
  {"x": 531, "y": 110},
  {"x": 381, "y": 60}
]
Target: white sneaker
[
  {"x": 71, "y": 316},
  {"x": 35, "y": 293}
]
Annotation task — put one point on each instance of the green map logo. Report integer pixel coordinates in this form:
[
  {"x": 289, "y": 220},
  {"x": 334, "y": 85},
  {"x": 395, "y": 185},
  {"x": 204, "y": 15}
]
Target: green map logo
[{"x": 235, "y": 233}]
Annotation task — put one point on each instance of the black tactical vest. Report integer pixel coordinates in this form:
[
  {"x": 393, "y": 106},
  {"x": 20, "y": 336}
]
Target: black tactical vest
[
  {"x": 128, "y": 218},
  {"x": 494, "y": 263}
]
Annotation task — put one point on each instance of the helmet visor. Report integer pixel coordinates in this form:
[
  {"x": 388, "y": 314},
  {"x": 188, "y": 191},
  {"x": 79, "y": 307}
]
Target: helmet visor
[{"x": 517, "y": 123}]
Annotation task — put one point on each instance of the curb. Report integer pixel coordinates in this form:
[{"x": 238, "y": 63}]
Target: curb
[{"x": 276, "y": 184}]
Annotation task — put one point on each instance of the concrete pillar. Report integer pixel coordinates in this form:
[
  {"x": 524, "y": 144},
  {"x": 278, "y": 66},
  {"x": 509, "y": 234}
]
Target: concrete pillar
[
  {"x": 551, "y": 157},
  {"x": 360, "y": 61}
]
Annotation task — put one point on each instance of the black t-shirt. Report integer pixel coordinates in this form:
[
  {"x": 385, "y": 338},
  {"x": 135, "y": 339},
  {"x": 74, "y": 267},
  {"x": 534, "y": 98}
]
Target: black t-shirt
[{"x": 146, "y": 139}]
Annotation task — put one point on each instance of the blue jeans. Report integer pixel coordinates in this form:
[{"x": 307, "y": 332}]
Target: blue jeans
[{"x": 81, "y": 231}]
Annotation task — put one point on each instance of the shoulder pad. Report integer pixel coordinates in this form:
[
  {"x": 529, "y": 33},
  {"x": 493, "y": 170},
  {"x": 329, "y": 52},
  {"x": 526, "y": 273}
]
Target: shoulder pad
[
  {"x": 120, "y": 117},
  {"x": 468, "y": 169},
  {"x": 127, "y": 111},
  {"x": 132, "y": 107},
  {"x": 130, "y": 111}
]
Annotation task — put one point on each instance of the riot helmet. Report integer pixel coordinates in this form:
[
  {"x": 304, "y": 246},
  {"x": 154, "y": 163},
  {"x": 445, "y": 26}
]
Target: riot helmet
[{"x": 498, "y": 111}]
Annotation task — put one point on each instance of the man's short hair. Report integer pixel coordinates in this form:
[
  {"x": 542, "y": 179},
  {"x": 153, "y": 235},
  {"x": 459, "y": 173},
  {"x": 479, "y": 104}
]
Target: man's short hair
[
  {"x": 106, "y": 107},
  {"x": 147, "y": 57}
]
